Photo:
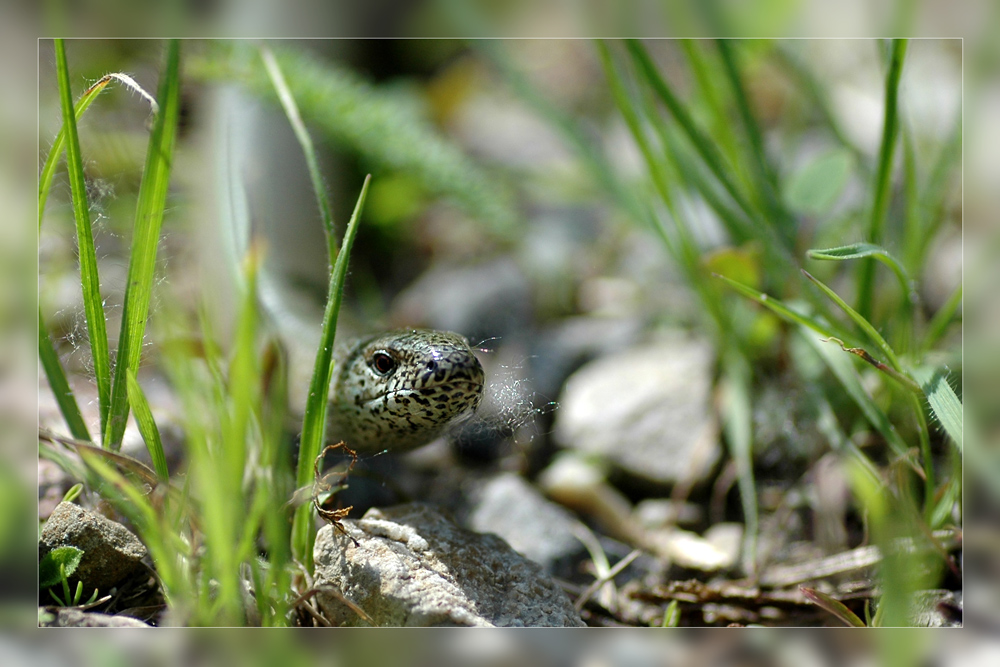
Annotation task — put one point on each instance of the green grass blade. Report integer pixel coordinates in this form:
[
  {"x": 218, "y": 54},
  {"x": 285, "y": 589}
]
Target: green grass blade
[
  {"x": 833, "y": 606},
  {"x": 843, "y": 370},
  {"x": 704, "y": 146},
  {"x": 762, "y": 170},
  {"x": 672, "y": 615},
  {"x": 863, "y": 250},
  {"x": 147, "y": 426},
  {"x": 632, "y": 120},
  {"x": 942, "y": 399},
  {"x": 145, "y": 239},
  {"x": 882, "y": 190},
  {"x": 777, "y": 246},
  {"x": 314, "y": 422},
  {"x": 859, "y": 251},
  {"x": 706, "y": 74},
  {"x": 778, "y": 308},
  {"x": 295, "y": 118},
  {"x": 59, "y": 384},
  {"x": 93, "y": 306},
  {"x": 863, "y": 323},
  {"x": 82, "y": 104}
]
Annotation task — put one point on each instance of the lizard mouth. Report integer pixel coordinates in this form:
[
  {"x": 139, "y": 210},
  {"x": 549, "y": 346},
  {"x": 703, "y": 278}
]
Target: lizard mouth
[{"x": 474, "y": 389}]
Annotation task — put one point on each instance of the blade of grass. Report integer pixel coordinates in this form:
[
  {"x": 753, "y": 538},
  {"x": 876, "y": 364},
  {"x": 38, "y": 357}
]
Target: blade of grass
[
  {"x": 161, "y": 540},
  {"x": 685, "y": 250},
  {"x": 838, "y": 363},
  {"x": 777, "y": 246},
  {"x": 780, "y": 309},
  {"x": 314, "y": 422},
  {"x": 59, "y": 384},
  {"x": 834, "y": 606},
  {"x": 761, "y": 168},
  {"x": 660, "y": 180},
  {"x": 704, "y": 146},
  {"x": 881, "y": 189},
  {"x": 295, "y": 119},
  {"x": 862, "y": 250},
  {"x": 927, "y": 460},
  {"x": 904, "y": 324},
  {"x": 858, "y": 319},
  {"x": 82, "y": 104},
  {"x": 93, "y": 306},
  {"x": 942, "y": 399},
  {"x": 314, "y": 419},
  {"x": 843, "y": 370},
  {"x": 706, "y": 76},
  {"x": 147, "y": 426},
  {"x": 672, "y": 615},
  {"x": 146, "y": 235}
]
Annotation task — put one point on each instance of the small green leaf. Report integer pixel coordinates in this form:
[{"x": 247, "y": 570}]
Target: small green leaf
[
  {"x": 672, "y": 615},
  {"x": 73, "y": 493},
  {"x": 814, "y": 189},
  {"x": 49, "y": 573}
]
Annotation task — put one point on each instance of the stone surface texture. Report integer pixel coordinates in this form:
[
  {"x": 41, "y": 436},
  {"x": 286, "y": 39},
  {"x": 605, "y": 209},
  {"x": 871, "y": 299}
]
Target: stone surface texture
[
  {"x": 415, "y": 567},
  {"x": 111, "y": 552}
]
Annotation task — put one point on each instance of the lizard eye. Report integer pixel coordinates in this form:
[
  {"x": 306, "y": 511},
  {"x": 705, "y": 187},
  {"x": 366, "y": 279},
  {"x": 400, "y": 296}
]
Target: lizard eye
[{"x": 382, "y": 363}]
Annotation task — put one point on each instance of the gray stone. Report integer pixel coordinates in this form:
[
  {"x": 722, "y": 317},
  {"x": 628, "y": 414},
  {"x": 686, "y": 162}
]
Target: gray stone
[
  {"x": 936, "y": 608},
  {"x": 111, "y": 552},
  {"x": 414, "y": 567},
  {"x": 533, "y": 525},
  {"x": 70, "y": 617},
  {"x": 647, "y": 409}
]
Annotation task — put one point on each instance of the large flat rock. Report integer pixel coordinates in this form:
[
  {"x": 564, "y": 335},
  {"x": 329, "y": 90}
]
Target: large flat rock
[{"x": 415, "y": 567}]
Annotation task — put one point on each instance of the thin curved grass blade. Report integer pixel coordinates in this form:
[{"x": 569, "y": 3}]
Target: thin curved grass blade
[
  {"x": 145, "y": 239},
  {"x": 89, "y": 279}
]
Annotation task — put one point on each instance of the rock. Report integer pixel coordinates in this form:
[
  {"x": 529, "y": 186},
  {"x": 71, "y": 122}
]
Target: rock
[
  {"x": 533, "y": 525},
  {"x": 646, "y": 409},
  {"x": 414, "y": 567},
  {"x": 70, "y": 617},
  {"x": 936, "y": 608},
  {"x": 111, "y": 552}
]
